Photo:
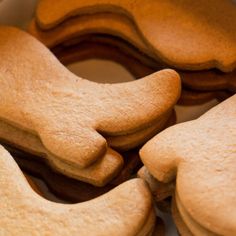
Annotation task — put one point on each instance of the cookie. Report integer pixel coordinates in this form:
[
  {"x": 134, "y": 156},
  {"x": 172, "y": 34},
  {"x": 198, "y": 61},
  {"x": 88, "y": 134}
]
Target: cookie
[
  {"x": 125, "y": 210},
  {"x": 122, "y": 27},
  {"x": 67, "y": 113},
  {"x": 210, "y": 44},
  {"x": 201, "y": 153}
]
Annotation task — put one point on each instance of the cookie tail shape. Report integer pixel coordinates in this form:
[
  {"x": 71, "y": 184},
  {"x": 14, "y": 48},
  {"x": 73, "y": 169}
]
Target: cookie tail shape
[
  {"x": 138, "y": 104},
  {"x": 122, "y": 211}
]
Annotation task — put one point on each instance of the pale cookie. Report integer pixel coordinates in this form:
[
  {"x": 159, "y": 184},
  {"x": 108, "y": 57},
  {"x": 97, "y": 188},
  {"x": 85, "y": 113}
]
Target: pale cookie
[
  {"x": 207, "y": 35},
  {"x": 69, "y": 113},
  {"x": 126, "y": 210},
  {"x": 201, "y": 153}
]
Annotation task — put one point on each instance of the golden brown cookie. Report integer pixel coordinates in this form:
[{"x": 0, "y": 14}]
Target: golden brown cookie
[
  {"x": 212, "y": 41},
  {"x": 201, "y": 153},
  {"x": 68, "y": 113}
]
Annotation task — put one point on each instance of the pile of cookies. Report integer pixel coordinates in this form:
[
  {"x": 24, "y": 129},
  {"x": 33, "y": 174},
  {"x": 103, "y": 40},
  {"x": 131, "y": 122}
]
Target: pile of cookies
[
  {"x": 145, "y": 39},
  {"x": 200, "y": 157},
  {"x": 83, "y": 138}
]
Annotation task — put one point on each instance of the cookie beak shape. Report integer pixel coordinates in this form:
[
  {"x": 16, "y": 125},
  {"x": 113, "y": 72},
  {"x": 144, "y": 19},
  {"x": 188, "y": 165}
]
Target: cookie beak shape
[
  {"x": 201, "y": 155},
  {"x": 68, "y": 113},
  {"x": 208, "y": 38},
  {"x": 126, "y": 210}
]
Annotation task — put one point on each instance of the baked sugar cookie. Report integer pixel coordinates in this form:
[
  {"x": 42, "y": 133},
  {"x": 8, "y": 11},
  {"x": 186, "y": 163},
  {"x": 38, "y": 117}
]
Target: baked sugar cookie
[
  {"x": 210, "y": 35},
  {"x": 200, "y": 154}
]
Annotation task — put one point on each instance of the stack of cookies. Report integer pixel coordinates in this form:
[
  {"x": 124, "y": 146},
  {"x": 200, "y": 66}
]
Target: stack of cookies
[
  {"x": 146, "y": 37},
  {"x": 74, "y": 125},
  {"x": 83, "y": 138},
  {"x": 200, "y": 157}
]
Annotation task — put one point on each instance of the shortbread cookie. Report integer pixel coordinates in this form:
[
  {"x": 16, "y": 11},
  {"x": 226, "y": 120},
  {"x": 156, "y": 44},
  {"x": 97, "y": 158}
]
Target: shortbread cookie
[
  {"x": 126, "y": 210},
  {"x": 165, "y": 25},
  {"x": 67, "y": 112},
  {"x": 201, "y": 153}
]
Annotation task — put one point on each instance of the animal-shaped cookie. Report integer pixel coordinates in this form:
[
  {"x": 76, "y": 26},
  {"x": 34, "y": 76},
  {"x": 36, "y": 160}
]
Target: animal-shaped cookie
[
  {"x": 184, "y": 34},
  {"x": 200, "y": 154},
  {"x": 126, "y": 210},
  {"x": 69, "y": 114},
  {"x": 122, "y": 27}
]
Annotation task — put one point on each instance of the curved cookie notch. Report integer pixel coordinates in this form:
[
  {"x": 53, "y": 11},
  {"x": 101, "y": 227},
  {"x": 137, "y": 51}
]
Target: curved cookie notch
[
  {"x": 201, "y": 154},
  {"x": 187, "y": 35},
  {"x": 68, "y": 113},
  {"x": 126, "y": 210}
]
